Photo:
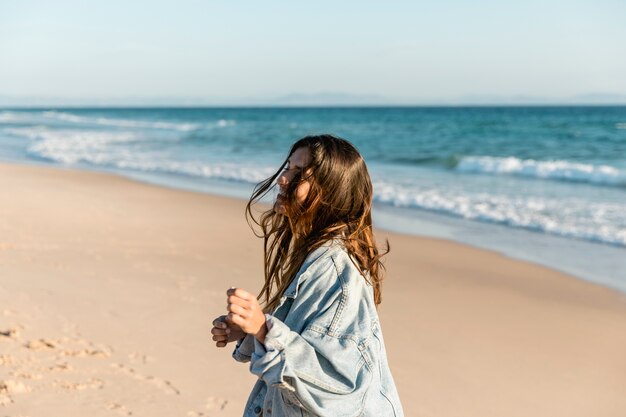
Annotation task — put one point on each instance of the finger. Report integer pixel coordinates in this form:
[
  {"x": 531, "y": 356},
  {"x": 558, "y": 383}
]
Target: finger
[
  {"x": 233, "y": 299},
  {"x": 232, "y": 325},
  {"x": 219, "y": 331},
  {"x": 219, "y": 338},
  {"x": 220, "y": 344},
  {"x": 220, "y": 325},
  {"x": 237, "y": 319},
  {"x": 241, "y": 293},
  {"x": 239, "y": 310},
  {"x": 220, "y": 322}
]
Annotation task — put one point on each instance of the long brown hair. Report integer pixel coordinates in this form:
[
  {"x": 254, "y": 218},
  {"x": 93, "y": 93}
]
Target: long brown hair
[{"x": 338, "y": 206}]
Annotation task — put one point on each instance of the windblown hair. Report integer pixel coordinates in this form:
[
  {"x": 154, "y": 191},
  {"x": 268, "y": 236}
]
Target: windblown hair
[{"x": 338, "y": 206}]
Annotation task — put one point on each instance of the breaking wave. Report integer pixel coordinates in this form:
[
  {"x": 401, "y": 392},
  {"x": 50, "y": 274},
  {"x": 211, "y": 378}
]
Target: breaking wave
[{"x": 555, "y": 170}]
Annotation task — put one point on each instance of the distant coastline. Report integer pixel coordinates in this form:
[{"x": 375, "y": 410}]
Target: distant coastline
[{"x": 318, "y": 100}]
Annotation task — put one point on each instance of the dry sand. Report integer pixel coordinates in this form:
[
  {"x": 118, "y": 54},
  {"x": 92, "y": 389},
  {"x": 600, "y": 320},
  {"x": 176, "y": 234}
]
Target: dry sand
[{"x": 108, "y": 288}]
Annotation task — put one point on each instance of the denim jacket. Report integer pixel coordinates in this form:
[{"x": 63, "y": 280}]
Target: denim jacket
[{"x": 324, "y": 353}]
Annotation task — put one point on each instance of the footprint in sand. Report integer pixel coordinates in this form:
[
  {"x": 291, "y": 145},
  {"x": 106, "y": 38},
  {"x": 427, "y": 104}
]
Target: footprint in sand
[
  {"x": 40, "y": 344},
  {"x": 11, "y": 332},
  {"x": 93, "y": 383},
  {"x": 60, "y": 367},
  {"x": 6, "y": 360},
  {"x": 5, "y": 399},
  {"x": 216, "y": 403},
  {"x": 26, "y": 375},
  {"x": 212, "y": 404},
  {"x": 162, "y": 384},
  {"x": 139, "y": 357},
  {"x": 10, "y": 387},
  {"x": 120, "y": 409},
  {"x": 75, "y": 347},
  {"x": 14, "y": 387},
  {"x": 81, "y": 353}
]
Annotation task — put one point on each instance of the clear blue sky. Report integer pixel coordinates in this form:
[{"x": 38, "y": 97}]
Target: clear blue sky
[{"x": 407, "y": 51}]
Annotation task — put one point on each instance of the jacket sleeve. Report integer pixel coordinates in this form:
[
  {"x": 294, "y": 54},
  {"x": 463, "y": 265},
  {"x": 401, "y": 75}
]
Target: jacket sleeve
[
  {"x": 321, "y": 369},
  {"x": 244, "y": 349}
]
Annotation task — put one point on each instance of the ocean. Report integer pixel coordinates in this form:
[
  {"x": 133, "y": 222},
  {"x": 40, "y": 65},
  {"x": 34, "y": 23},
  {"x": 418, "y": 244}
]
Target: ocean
[{"x": 544, "y": 184}]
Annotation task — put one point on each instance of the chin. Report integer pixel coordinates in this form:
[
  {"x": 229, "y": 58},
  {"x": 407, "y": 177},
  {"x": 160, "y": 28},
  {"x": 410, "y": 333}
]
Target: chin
[{"x": 279, "y": 209}]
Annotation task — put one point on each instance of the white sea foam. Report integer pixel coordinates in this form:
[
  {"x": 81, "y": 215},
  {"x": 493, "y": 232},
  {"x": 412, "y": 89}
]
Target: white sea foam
[
  {"x": 223, "y": 171},
  {"x": 113, "y": 149},
  {"x": 620, "y": 125},
  {"x": 72, "y": 118},
  {"x": 578, "y": 218},
  {"x": 69, "y": 146},
  {"x": 557, "y": 170},
  {"x": 53, "y": 115},
  {"x": 7, "y": 116},
  {"x": 130, "y": 123},
  {"x": 225, "y": 123}
]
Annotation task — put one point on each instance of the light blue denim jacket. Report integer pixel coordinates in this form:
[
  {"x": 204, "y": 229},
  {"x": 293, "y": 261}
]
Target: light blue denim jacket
[{"x": 324, "y": 353}]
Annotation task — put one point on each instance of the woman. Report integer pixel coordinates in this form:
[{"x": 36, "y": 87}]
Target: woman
[{"x": 316, "y": 344}]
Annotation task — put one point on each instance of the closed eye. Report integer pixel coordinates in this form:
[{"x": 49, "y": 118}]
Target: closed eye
[{"x": 289, "y": 168}]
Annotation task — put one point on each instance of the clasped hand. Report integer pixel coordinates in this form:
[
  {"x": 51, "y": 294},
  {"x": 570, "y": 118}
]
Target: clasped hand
[{"x": 244, "y": 316}]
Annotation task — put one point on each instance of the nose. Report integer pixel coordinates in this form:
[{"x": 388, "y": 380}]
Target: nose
[{"x": 282, "y": 181}]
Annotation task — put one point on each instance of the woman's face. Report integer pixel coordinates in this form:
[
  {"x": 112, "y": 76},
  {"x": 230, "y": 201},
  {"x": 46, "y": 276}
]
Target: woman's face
[{"x": 300, "y": 158}]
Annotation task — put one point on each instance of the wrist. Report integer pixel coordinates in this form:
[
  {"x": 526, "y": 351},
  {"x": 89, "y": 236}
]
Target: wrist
[{"x": 260, "y": 335}]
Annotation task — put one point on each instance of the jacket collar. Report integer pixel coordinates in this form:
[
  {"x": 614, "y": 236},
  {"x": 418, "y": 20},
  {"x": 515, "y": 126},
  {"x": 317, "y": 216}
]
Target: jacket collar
[{"x": 304, "y": 272}]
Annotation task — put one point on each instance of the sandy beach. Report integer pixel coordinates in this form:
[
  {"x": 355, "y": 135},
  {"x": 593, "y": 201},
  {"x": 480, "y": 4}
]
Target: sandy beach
[{"x": 108, "y": 288}]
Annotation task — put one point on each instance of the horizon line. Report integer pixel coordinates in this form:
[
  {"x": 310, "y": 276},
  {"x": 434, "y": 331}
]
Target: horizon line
[{"x": 312, "y": 105}]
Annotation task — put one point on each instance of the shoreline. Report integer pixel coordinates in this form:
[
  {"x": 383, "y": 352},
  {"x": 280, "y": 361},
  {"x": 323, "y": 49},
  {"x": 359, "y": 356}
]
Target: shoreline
[
  {"x": 503, "y": 240},
  {"x": 109, "y": 286}
]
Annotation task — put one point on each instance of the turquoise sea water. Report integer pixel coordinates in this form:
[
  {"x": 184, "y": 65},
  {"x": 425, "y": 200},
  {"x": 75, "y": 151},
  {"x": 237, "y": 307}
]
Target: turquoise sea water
[{"x": 505, "y": 178}]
